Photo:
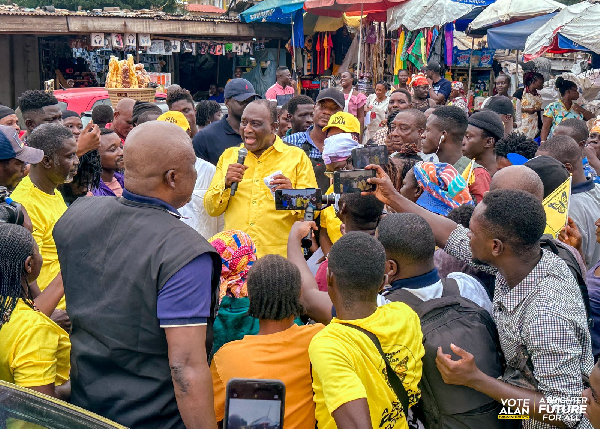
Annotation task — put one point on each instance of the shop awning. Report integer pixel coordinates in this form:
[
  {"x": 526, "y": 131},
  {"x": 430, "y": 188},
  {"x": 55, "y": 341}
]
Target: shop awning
[
  {"x": 504, "y": 11},
  {"x": 281, "y": 11},
  {"x": 514, "y": 36},
  {"x": 578, "y": 23},
  {"x": 416, "y": 14}
]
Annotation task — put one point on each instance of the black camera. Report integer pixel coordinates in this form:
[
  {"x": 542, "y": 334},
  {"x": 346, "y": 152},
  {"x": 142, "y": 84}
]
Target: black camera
[
  {"x": 307, "y": 200},
  {"x": 10, "y": 211}
]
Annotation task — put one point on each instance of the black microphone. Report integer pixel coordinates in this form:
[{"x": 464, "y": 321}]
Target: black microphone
[{"x": 241, "y": 158}]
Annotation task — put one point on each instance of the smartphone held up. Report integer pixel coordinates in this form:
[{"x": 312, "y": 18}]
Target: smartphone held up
[{"x": 254, "y": 404}]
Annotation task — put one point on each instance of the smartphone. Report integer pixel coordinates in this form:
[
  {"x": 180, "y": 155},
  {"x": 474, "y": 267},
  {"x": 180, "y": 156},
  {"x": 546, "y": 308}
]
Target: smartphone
[
  {"x": 298, "y": 199},
  {"x": 254, "y": 404},
  {"x": 363, "y": 156},
  {"x": 345, "y": 181}
]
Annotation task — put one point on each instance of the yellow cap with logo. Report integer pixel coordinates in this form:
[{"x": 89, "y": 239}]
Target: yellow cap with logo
[
  {"x": 176, "y": 118},
  {"x": 346, "y": 122}
]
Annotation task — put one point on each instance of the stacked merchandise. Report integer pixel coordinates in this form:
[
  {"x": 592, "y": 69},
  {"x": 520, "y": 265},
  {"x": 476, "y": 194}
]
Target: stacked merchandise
[{"x": 126, "y": 74}]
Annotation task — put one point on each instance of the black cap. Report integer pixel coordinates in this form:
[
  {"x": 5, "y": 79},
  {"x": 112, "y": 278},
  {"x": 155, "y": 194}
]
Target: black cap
[
  {"x": 552, "y": 172},
  {"x": 488, "y": 121},
  {"x": 6, "y": 111},
  {"x": 501, "y": 105},
  {"x": 334, "y": 95},
  {"x": 239, "y": 89},
  {"x": 434, "y": 66}
]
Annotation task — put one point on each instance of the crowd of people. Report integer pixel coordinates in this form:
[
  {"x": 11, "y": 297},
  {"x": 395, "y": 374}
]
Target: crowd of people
[{"x": 144, "y": 263}]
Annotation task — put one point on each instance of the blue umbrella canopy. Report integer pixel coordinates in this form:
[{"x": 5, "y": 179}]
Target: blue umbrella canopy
[
  {"x": 514, "y": 36},
  {"x": 281, "y": 11}
]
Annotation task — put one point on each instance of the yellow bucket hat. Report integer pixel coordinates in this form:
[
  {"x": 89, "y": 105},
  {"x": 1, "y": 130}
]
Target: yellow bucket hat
[
  {"x": 344, "y": 121},
  {"x": 176, "y": 118}
]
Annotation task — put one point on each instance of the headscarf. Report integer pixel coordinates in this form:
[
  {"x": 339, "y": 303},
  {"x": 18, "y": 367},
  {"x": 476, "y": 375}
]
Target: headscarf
[
  {"x": 338, "y": 147},
  {"x": 418, "y": 80},
  {"x": 458, "y": 86},
  {"x": 595, "y": 127},
  {"x": 238, "y": 254},
  {"x": 443, "y": 188}
]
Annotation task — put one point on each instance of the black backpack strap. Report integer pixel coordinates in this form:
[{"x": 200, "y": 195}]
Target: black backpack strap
[
  {"x": 306, "y": 148},
  {"x": 450, "y": 287},
  {"x": 395, "y": 382}
]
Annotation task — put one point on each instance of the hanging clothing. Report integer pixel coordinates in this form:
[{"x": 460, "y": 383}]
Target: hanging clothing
[
  {"x": 351, "y": 57},
  {"x": 327, "y": 50},
  {"x": 262, "y": 81},
  {"x": 341, "y": 44},
  {"x": 410, "y": 36},
  {"x": 298, "y": 25},
  {"x": 449, "y": 36},
  {"x": 416, "y": 54}
]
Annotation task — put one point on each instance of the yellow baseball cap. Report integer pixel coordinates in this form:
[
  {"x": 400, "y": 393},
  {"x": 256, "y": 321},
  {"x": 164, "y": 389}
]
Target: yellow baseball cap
[
  {"x": 344, "y": 121},
  {"x": 176, "y": 118}
]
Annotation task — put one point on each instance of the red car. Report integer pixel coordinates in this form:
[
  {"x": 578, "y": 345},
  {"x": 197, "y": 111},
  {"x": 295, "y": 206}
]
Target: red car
[{"x": 85, "y": 99}]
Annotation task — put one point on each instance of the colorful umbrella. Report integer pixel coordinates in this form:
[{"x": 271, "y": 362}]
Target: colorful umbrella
[
  {"x": 281, "y": 11},
  {"x": 578, "y": 23},
  {"x": 337, "y": 8}
]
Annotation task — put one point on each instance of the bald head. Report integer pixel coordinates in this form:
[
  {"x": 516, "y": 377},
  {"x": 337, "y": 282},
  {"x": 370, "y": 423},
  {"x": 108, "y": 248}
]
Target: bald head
[
  {"x": 518, "y": 177},
  {"x": 123, "y": 120},
  {"x": 159, "y": 162}
]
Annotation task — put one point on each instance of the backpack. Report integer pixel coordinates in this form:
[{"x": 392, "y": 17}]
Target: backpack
[
  {"x": 563, "y": 252},
  {"x": 457, "y": 320}
]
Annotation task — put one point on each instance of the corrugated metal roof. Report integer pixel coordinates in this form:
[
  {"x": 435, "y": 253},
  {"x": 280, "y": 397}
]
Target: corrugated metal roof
[{"x": 144, "y": 13}]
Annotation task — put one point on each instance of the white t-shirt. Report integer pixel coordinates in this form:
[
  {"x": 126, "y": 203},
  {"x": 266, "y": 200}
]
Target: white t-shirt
[{"x": 468, "y": 286}]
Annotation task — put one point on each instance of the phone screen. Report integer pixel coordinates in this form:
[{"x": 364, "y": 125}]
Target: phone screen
[
  {"x": 254, "y": 413},
  {"x": 297, "y": 199},
  {"x": 345, "y": 181},
  {"x": 363, "y": 156},
  {"x": 254, "y": 404}
]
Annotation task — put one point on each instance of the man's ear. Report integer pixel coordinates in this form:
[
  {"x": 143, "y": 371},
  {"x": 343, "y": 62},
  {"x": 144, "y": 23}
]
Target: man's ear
[
  {"x": 29, "y": 123},
  {"x": 47, "y": 162},
  {"x": 170, "y": 178},
  {"x": 497, "y": 247},
  {"x": 391, "y": 268},
  {"x": 569, "y": 167},
  {"x": 489, "y": 142},
  {"x": 28, "y": 264}
]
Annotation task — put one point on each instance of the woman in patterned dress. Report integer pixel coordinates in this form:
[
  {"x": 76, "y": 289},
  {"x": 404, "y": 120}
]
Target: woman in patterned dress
[
  {"x": 531, "y": 104},
  {"x": 564, "y": 108},
  {"x": 458, "y": 98}
]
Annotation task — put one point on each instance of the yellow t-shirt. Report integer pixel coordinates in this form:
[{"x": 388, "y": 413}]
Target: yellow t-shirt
[
  {"x": 35, "y": 351},
  {"x": 281, "y": 356},
  {"x": 44, "y": 210},
  {"x": 347, "y": 366},
  {"x": 331, "y": 222}
]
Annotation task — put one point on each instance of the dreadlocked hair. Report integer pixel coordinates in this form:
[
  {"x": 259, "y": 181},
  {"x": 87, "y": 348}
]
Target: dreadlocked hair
[
  {"x": 16, "y": 245},
  {"x": 274, "y": 289},
  {"x": 89, "y": 170}
]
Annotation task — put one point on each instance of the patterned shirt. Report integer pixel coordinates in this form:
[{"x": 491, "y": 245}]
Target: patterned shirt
[
  {"x": 298, "y": 139},
  {"x": 558, "y": 112},
  {"x": 545, "y": 314},
  {"x": 380, "y": 136},
  {"x": 590, "y": 172}
]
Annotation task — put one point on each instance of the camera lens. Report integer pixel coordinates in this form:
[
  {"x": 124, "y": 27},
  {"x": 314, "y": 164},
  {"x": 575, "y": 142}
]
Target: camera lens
[{"x": 328, "y": 199}]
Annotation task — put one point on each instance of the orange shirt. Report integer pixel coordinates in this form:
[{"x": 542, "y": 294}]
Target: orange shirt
[{"x": 281, "y": 356}]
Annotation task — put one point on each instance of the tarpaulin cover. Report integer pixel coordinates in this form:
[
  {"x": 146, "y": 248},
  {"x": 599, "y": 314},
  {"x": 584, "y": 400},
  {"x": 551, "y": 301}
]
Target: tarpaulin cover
[
  {"x": 281, "y": 11},
  {"x": 578, "y": 23},
  {"x": 417, "y": 14},
  {"x": 507, "y": 10}
]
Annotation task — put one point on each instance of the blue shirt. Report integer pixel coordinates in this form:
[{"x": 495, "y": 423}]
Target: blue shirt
[
  {"x": 211, "y": 142},
  {"x": 185, "y": 298},
  {"x": 443, "y": 86},
  {"x": 298, "y": 140}
]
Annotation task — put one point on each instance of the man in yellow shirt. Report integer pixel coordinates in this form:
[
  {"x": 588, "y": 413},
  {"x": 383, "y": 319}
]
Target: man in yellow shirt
[
  {"x": 350, "y": 379},
  {"x": 37, "y": 193},
  {"x": 252, "y": 208}
]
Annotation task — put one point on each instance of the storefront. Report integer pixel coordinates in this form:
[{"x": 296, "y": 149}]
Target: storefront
[{"x": 74, "y": 48}]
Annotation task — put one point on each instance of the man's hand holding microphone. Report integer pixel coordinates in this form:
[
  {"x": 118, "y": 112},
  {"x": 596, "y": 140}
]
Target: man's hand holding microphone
[{"x": 235, "y": 172}]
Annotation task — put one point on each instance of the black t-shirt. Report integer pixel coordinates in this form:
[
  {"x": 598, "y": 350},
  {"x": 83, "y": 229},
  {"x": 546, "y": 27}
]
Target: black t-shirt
[{"x": 211, "y": 142}]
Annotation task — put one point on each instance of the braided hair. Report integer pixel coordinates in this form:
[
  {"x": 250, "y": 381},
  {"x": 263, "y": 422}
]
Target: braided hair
[
  {"x": 274, "y": 289},
  {"x": 16, "y": 245}
]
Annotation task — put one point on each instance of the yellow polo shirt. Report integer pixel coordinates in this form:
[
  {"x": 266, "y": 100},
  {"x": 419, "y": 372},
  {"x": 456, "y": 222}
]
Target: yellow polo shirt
[
  {"x": 252, "y": 208},
  {"x": 331, "y": 222},
  {"x": 44, "y": 210}
]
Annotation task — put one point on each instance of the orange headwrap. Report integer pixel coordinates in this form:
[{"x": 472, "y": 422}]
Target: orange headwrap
[{"x": 418, "y": 80}]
